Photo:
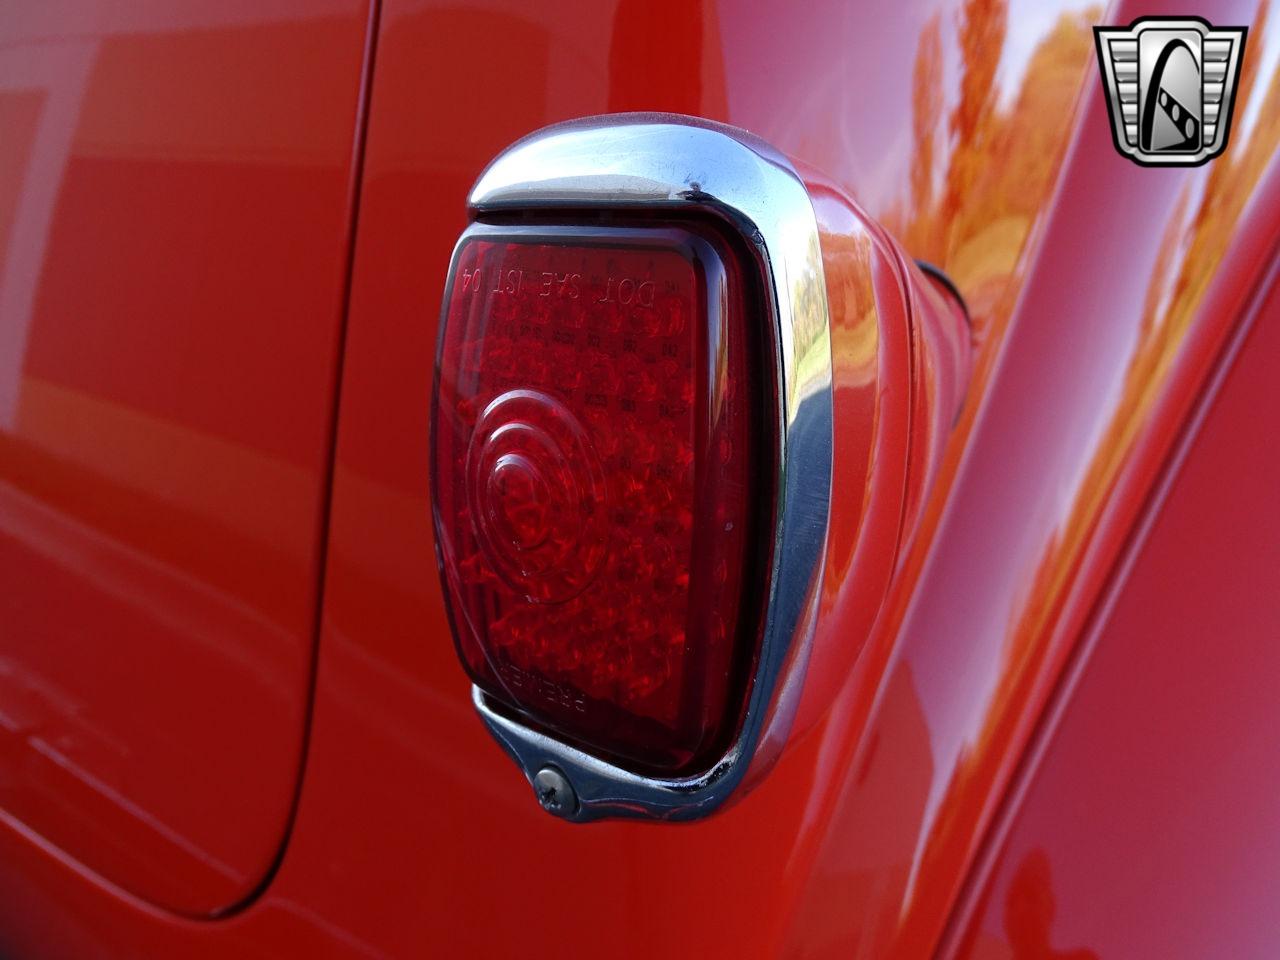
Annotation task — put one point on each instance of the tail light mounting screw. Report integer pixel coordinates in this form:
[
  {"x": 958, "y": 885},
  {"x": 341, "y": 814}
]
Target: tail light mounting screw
[{"x": 555, "y": 793}]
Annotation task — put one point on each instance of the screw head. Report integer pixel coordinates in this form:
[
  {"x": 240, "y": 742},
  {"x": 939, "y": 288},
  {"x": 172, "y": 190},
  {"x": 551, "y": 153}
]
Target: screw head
[{"x": 555, "y": 793}]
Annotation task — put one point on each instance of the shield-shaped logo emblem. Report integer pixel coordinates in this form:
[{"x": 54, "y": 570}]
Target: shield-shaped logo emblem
[{"x": 1171, "y": 85}]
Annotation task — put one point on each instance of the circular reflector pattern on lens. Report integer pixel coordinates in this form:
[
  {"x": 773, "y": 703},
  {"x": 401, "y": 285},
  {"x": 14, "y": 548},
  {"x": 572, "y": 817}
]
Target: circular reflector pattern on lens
[
  {"x": 593, "y": 484},
  {"x": 536, "y": 496}
]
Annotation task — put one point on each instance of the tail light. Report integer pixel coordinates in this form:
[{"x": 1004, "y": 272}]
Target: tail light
[
  {"x": 601, "y": 462},
  {"x": 632, "y": 452}
]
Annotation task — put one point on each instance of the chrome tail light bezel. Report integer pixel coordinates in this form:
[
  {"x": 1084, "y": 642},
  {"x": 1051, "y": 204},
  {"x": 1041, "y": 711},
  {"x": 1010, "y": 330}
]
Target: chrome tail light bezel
[{"x": 684, "y": 167}]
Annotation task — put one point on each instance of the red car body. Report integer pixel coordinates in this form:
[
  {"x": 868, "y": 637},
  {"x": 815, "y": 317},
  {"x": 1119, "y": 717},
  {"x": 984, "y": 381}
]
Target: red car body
[{"x": 232, "y": 722}]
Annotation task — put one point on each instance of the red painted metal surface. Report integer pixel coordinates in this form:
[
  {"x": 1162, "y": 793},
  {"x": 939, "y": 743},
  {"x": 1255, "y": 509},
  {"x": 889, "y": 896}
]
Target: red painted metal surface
[
  {"x": 1147, "y": 828},
  {"x": 1097, "y": 312},
  {"x": 1109, "y": 344},
  {"x": 174, "y": 203}
]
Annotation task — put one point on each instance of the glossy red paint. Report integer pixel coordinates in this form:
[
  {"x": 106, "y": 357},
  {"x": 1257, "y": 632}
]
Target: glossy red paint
[
  {"x": 1146, "y": 828},
  {"x": 1100, "y": 294},
  {"x": 174, "y": 200},
  {"x": 1094, "y": 379},
  {"x": 901, "y": 360}
]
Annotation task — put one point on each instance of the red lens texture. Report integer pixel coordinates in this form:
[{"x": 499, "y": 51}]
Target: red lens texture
[{"x": 596, "y": 484}]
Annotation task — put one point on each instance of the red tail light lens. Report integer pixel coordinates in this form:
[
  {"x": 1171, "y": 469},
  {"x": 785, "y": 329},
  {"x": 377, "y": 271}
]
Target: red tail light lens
[{"x": 598, "y": 483}]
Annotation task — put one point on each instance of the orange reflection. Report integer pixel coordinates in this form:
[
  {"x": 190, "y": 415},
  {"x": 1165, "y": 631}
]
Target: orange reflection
[
  {"x": 972, "y": 211},
  {"x": 1188, "y": 258},
  {"x": 974, "y": 217},
  {"x": 1197, "y": 234}
]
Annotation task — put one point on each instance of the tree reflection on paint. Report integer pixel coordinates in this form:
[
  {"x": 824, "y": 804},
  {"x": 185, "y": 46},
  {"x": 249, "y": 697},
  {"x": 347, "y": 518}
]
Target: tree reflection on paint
[{"x": 973, "y": 218}]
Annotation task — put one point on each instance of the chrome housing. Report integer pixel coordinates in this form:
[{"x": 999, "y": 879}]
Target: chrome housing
[{"x": 681, "y": 165}]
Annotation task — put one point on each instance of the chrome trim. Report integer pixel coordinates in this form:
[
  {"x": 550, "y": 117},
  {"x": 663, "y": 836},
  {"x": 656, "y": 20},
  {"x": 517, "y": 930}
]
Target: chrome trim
[{"x": 690, "y": 166}]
